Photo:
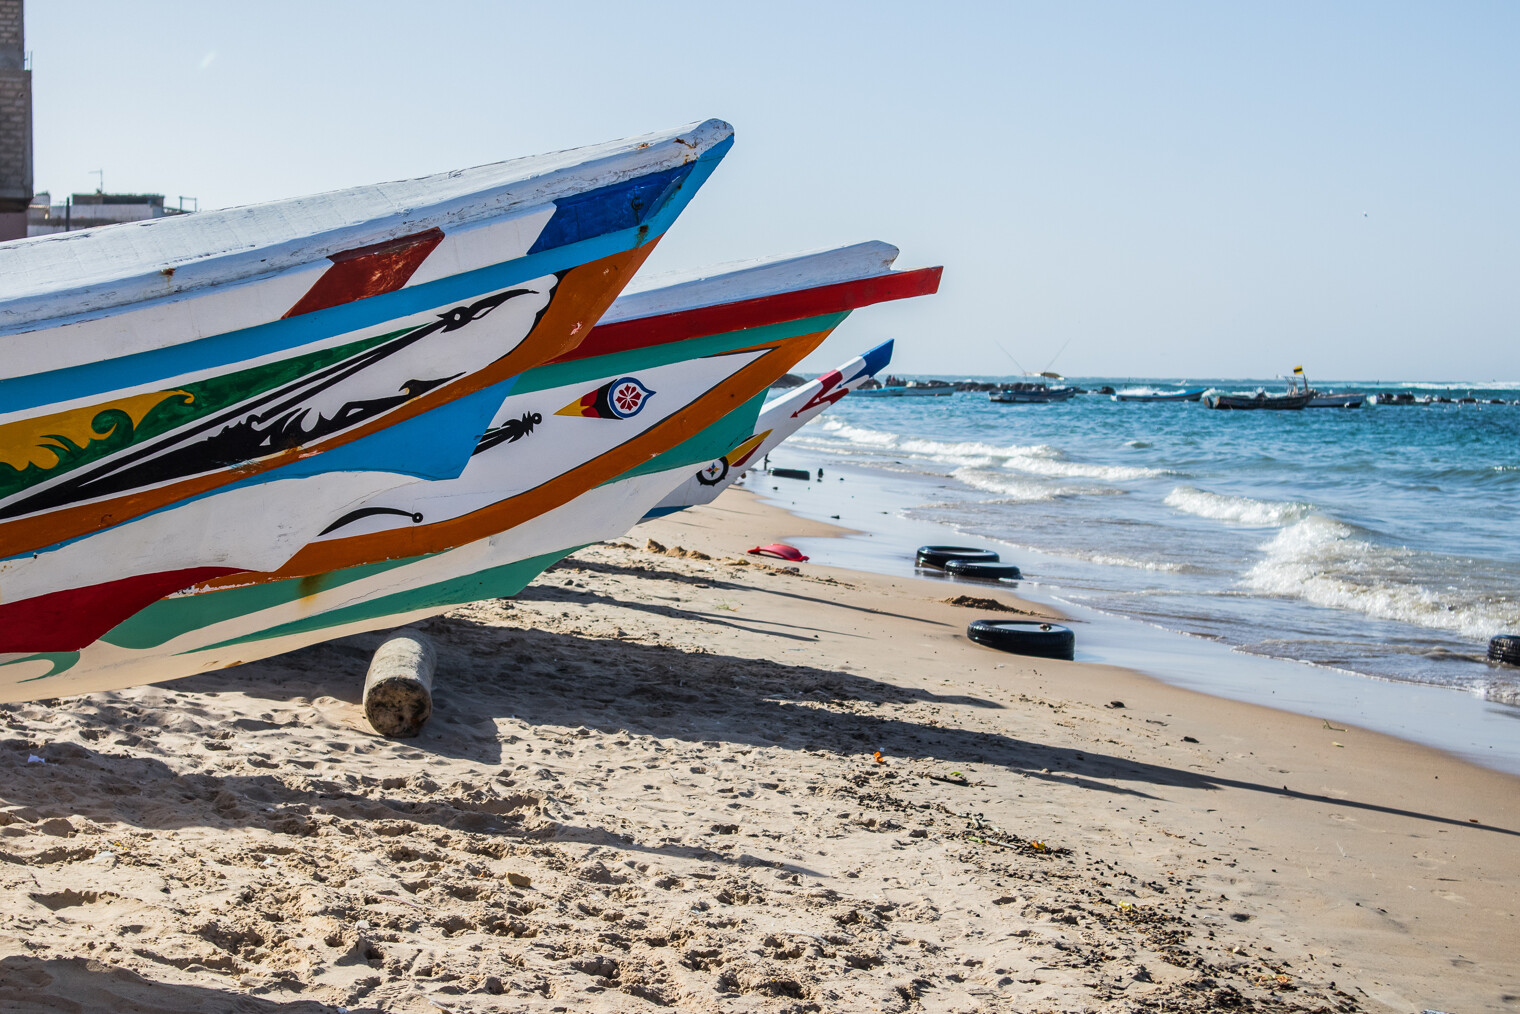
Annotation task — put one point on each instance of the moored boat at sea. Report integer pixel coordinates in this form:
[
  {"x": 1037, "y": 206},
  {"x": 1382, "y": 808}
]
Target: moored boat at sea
[
  {"x": 1151, "y": 394},
  {"x": 1333, "y": 399},
  {"x": 1297, "y": 396},
  {"x": 894, "y": 387},
  {"x": 1030, "y": 393}
]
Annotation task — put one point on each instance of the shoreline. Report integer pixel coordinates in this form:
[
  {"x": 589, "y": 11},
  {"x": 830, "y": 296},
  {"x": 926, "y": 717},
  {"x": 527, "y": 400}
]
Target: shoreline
[
  {"x": 692, "y": 780},
  {"x": 1297, "y": 761},
  {"x": 1455, "y": 721}
]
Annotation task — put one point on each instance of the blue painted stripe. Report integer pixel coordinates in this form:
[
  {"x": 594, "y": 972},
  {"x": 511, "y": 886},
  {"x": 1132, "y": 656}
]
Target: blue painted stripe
[
  {"x": 608, "y": 209},
  {"x": 878, "y": 358},
  {"x": 98, "y": 378}
]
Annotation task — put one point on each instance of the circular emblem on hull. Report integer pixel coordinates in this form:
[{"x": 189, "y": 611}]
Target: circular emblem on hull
[
  {"x": 713, "y": 473},
  {"x": 626, "y": 397}
]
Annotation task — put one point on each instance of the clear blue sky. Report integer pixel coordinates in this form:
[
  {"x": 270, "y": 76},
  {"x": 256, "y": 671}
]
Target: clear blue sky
[{"x": 1186, "y": 189}]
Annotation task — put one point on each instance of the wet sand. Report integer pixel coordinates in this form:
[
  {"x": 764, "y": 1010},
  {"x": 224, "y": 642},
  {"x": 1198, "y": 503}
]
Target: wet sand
[{"x": 684, "y": 779}]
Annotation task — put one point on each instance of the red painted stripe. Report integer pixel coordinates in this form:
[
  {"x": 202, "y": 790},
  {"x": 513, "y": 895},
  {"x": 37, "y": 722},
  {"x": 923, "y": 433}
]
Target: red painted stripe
[
  {"x": 368, "y": 271},
  {"x": 69, "y": 620},
  {"x": 644, "y": 332}
]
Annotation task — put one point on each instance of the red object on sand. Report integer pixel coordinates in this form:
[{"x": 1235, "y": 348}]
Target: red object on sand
[{"x": 780, "y": 550}]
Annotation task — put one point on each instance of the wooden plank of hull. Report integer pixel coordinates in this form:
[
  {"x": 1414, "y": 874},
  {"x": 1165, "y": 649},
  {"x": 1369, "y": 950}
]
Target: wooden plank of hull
[{"x": 102, "y": 475}]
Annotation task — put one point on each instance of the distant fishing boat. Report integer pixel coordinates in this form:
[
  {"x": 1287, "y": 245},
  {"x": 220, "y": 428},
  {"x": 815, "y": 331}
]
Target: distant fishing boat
[
  {"x": 578, "y": 451},
  {"x": 1331, "y": 399},
  {"x": 1150, "y": 394},
  {"x": 189, "y": 397},
  {"x": 894, "y": 387},
  {"x": 1030, "y": 393},
  {"x": 1298, "y": 396}
]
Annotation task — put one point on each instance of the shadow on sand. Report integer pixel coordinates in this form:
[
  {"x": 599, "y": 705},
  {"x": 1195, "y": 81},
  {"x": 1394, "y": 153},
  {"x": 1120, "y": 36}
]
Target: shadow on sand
[{"x": 551, "y": 679}]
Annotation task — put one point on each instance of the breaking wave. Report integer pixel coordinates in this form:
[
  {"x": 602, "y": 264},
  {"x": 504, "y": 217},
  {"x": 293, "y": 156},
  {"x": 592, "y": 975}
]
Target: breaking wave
[
  {"x": 1242, "y": 510},
  {"x": 1021, "y": 489},
  {"x": 1333, "y": 564},
  {"x": 1031, "y": 459}
]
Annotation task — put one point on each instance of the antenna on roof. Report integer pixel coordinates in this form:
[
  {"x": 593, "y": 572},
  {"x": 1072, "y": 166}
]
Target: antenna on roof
[{"x": 101, "y": 187}]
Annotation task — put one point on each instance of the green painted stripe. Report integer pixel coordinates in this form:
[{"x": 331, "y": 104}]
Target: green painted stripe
[
  {"x": 60, "y": 661},
  {"x": 493, "y": 583},
  {"x": 168, "y": 618}
]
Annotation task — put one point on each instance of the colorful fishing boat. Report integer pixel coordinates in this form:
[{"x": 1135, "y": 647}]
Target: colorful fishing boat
[
  {"x": 201, "y": 395},
  {"x": 579, "y": 451},
  {"x": 779, "y": 419}
]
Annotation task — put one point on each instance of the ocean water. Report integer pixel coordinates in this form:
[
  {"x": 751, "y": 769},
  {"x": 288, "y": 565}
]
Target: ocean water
[{"x": 1383, "y": 541}]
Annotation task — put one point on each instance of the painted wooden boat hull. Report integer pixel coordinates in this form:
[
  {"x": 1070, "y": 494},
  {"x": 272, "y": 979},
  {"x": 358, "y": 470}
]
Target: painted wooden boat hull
[
  {"x": 348, "y": 371},
  {"x": 428, "y": 547},
  {"x": 251, "y": 616},
  {"x": 120, "y": 395}
]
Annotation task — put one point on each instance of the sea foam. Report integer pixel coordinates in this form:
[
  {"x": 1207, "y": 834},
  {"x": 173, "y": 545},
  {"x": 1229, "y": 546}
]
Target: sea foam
[
  {"x": 1012, "y": 488},
  {"x": 1243, "y": 510},
  {"x": 1031, "y": 459},
  {"x": 1333, "y": 564}
]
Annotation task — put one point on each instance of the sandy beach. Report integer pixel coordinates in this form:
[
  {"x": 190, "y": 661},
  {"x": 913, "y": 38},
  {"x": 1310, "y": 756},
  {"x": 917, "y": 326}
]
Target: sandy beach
[{"x": 671, "y": 776}]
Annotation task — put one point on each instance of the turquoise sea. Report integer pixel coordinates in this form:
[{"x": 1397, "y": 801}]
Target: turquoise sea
[{"x": 1382, "y": 541}]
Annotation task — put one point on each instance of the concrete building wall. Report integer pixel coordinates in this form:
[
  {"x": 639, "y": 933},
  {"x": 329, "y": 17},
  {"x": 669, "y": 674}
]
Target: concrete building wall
[{"x": 15, "y": 122}]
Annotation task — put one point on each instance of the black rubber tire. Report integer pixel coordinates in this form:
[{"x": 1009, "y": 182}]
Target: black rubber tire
[
  {"x": 793, "y": 473},
  {"x": 1024, "y": 637},
  {"x": 1505, "y": 648},
  {"x": 982, "y": 571},
  {"x": 937, "y": 556}
]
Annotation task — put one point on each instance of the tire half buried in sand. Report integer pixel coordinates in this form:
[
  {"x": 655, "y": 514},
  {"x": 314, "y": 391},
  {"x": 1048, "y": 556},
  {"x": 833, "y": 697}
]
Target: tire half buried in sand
[
  {"x": 982, "y": 570},
  {"x": 1024, "y": 637},
  {"x": 938, "y": 556}
]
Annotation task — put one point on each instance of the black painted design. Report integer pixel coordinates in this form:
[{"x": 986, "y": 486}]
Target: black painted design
[
  {"x": 509, "y": 432},
  {"x": 365, "y": 512},
  {"x": 713, "y": 473},
  {"x": 274, "y": 421}
]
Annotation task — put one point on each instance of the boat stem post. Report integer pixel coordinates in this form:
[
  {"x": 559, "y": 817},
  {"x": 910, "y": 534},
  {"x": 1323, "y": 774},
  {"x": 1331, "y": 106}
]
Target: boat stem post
[{"x": 398, "y": 689}]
